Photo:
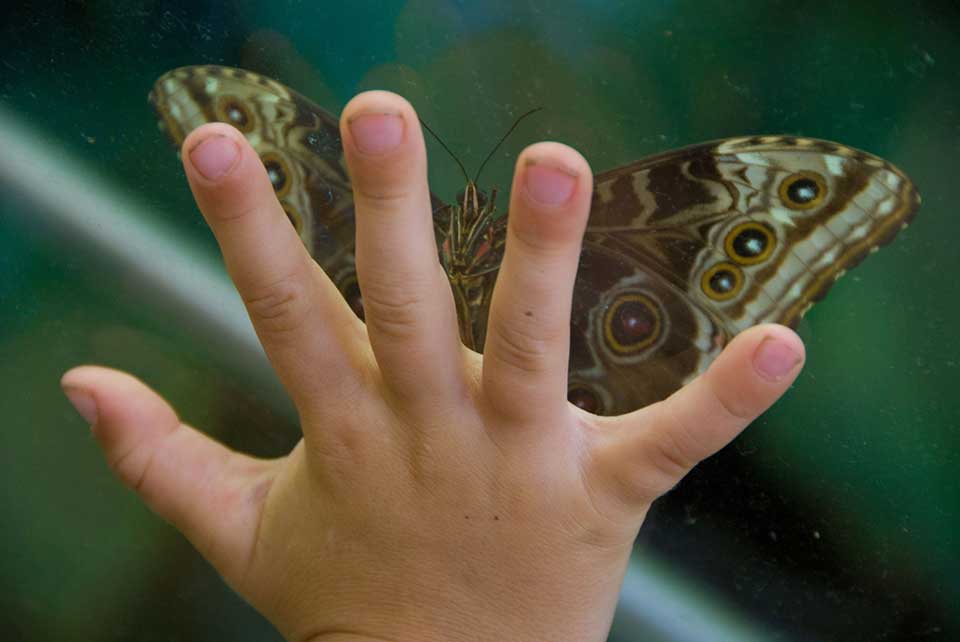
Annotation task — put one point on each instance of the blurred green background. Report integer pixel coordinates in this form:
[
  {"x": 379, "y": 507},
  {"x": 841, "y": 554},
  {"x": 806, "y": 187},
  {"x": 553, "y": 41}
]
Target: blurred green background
[{"x": 834, "y": 517}]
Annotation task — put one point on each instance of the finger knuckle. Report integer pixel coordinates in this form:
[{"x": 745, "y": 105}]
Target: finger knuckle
[
  {"x": 281, "y": 307},
  {"x": 544, "y": 233},
  {"x": 635, "y": 482},
  {"x": 532, "y": 238},
  {"x": 521, "y": 345},
  {"x": 730, "y": 404},
  {"x": 393, "y": 310},
  {"x": 673, "y": 452},
  {"x": 384, "y": 194},
  {"x": 230, "y": 215},
  {"x": 136, "y": 468},
  {"x": 671, "y": 458},
  {"x": 133, "y": 468}
]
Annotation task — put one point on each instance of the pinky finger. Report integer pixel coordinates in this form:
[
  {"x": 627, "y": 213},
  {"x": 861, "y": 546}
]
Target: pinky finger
[{"x": 651, "y": 449}]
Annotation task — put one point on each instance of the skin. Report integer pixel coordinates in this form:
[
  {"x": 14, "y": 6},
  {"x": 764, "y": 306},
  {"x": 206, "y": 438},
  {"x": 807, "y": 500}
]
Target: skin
[{"x": 436, "y": 494}]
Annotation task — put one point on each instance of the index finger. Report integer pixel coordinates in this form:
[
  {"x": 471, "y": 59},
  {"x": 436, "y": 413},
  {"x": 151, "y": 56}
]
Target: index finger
[{"x": 304, "y": 324}]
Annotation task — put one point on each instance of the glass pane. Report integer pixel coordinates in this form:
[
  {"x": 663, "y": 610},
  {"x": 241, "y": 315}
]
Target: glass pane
[{"x": 834, "y": 517}]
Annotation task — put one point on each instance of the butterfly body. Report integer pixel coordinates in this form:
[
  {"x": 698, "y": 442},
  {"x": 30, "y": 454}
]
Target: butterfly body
[
  {"x": 471, "y": 239},
  {"x": 682, "y": 250}
]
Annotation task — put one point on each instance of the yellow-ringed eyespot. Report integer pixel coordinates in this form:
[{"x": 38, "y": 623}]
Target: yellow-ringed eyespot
[
  {"x": 586, "y": 398},
  {"x": 232, "y": 110},
  {"x": 749, "y": 243},
  {"x": 722, "y": 281},
  {"x": 632, "y": 322},
  {"x": 293, "y": 215},
  {"x": 803, "y": 190},
  {"x": 278, "y": 172}
]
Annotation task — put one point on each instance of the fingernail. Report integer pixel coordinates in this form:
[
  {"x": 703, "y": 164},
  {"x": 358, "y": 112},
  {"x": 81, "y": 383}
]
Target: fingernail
[
  {"x": 376, "y": 133},
  {"x": 214, "y": 157},
  {"x": 775, "y": 359},
  {"x": 549, "y": 185},
  {"x": 83, "y": 403}
]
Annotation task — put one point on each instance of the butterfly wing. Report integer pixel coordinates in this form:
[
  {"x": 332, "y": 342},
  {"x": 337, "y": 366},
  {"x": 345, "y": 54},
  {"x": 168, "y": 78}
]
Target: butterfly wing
[
  {"x": 298, "y": 142},
  {"x": 686, "y": 249},
  {"x": 682, "y": 250}
]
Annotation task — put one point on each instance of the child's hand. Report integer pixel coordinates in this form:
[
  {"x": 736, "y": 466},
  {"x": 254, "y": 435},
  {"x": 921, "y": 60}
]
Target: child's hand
[{"x": 436, "y": 494}]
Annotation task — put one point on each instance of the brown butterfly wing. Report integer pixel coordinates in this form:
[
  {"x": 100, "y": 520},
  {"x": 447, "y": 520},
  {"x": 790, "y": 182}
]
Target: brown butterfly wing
[
  {"x": 298, "y": 142},
  {"x": 686, "y": 249},
  {"x": 682, "y": 250}
]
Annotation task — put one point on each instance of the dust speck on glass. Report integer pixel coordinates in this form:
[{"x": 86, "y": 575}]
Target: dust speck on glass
[{"x": 834, "y": 517}]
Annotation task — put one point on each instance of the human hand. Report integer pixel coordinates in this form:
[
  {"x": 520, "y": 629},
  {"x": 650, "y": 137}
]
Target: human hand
[{"x": 436, "y": 494}]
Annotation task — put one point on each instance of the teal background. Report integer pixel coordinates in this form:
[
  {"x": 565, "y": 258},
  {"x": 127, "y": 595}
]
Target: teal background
[{"x": 834, "y": 517}]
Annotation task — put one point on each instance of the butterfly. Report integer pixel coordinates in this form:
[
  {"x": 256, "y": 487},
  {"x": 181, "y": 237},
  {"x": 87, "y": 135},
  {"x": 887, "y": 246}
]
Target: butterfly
[{"x": 682, "y": 251}]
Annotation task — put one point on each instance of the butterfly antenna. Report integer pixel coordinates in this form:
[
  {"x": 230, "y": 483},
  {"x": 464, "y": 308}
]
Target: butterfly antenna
[
  {"x": 447, "y": 149},
  {"x": 497, "y": 146}
]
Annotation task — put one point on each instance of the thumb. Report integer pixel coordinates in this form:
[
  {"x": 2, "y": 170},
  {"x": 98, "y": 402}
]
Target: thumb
[
  {"x": 212, "y": 494},
  {"x": 653, "y": 448}
]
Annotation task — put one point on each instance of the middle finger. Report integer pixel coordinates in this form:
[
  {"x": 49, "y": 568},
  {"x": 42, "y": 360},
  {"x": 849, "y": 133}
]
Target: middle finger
[{"x": 407, "y": 301}]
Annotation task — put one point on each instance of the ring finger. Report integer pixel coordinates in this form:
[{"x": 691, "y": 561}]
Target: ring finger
[{"x": 528, "y": 334}]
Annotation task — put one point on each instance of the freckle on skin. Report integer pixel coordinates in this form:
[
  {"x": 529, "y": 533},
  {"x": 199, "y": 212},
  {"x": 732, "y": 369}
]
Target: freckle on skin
[{"x": 528, "y": 313}]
